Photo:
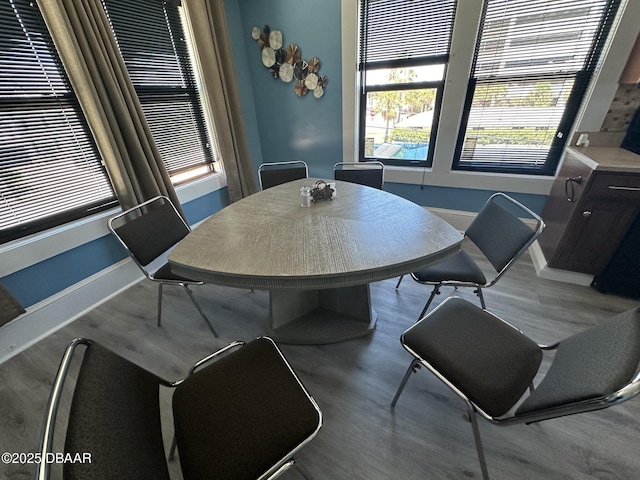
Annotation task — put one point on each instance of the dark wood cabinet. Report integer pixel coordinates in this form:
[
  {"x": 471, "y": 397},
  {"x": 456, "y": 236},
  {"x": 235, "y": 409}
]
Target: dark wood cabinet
[{"x": 588, "y": 213}]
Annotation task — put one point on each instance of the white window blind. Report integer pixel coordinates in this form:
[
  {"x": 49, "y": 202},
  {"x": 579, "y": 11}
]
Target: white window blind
[
  {"x": 50, "y": 170},
  {"x": 405, "y": 29},
  {"x": 152, "y": 41},
  {"x": 532, "y": 66}
]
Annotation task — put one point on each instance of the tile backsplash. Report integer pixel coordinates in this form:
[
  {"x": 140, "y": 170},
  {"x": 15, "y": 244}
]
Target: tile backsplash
[{"x": 624, "y": 105}]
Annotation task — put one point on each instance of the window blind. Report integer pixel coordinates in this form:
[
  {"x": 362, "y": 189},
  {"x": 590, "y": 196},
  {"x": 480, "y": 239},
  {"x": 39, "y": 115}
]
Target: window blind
[
  {"x": 50, "y": 170},
  {"x": 533, "y": 62},
  {"x": 405, "y": 30},
  {"x": 152, "y": 42}
]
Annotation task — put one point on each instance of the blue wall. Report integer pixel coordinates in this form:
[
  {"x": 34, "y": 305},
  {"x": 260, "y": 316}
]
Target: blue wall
[
  {"x": 465, "y": 199},
  {"x": 292, "y": 127},
  {"x": 237, "y": 36}
]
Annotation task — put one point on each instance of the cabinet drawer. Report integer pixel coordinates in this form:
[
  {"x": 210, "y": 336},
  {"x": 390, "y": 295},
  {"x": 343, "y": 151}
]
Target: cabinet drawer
[{"x": 616, "y": 186}]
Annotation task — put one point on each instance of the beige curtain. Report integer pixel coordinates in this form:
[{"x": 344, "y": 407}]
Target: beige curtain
[
  {"x": 81, "y": 32},
  {"x": 208, "y": 24}
]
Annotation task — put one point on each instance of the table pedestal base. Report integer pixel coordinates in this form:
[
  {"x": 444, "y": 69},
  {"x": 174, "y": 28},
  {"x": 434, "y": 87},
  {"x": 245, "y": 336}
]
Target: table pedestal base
[{"x": 315, "y": 317}]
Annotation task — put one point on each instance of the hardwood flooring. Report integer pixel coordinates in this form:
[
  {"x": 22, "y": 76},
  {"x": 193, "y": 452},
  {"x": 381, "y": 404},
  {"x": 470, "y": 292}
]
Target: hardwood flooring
[{"x": 424, "y": 437}]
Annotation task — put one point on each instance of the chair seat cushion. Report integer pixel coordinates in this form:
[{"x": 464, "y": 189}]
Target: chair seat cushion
[
  {"x": 591, "y": 364},
  {"x": 458, "y": 267},
  {"x": 241, "y": 415},
  {"x": 486, "y": 359}
]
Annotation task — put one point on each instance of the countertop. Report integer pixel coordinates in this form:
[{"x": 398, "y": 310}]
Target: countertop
[{"x": 608, "y": 159}]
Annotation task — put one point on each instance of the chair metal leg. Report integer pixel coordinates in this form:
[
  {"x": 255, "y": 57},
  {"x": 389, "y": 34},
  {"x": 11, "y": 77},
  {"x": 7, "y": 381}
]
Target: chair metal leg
[
  {"x": 159, "y": 304},
  {"x": 193, "y": 299},
  {"x": 399, "y": 281},
  {"x": 434, "y": 292},
  {"x": 413, "y": 368},
  {"x": 174, "y": 444},
  {"x": 481, "y": 297},
  {"x": 478, "y": 441},
  {"x": 283, "y": 468}
]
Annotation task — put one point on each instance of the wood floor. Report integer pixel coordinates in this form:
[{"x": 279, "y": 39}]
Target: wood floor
[{"x": 424, "y": 437}]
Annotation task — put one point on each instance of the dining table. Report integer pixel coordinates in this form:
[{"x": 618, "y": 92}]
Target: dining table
[{"x": 317, "y": 262}]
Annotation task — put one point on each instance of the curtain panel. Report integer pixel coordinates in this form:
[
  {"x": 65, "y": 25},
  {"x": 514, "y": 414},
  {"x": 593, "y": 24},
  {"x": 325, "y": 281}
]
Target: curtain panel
[{"x": 208, "y": 24}]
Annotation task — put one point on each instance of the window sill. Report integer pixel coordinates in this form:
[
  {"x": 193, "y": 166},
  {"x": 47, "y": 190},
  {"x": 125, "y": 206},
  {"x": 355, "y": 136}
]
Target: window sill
[{"x": 532, "y": 184}]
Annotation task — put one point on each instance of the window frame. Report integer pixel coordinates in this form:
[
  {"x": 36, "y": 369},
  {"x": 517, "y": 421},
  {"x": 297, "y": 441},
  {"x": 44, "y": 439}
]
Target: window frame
[
  {"x": 412, "y": 61},
  {"x": 390, "y": 87},
  {"x": 582, "y": 80}
]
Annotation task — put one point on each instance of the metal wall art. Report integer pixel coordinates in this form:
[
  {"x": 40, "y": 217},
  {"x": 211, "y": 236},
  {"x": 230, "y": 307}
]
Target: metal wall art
[{"x": 287, "y": 63}]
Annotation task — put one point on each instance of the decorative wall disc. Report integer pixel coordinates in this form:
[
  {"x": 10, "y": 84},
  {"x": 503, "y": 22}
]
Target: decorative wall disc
[
  {"x": 268, "y": 57},
  {"x": 311, "y": 81},
  {"x": 293, "y": 54},
  {"x": 275, "y": 39},
  {"x": 322, "y": 81},
  {"x": 255, "y": 33},
  {"x": 263, "y": 41},
  {"x": 300, "y": 88},
  {"x": 314, "y": 65},
  {"x": 286, "y": 72},
  {"x": 318, "y": 92},
  {"x": 300, "y": 69}
]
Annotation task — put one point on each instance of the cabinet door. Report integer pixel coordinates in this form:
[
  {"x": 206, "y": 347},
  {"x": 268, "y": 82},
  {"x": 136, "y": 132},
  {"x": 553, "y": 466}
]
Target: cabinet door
[
  {"x": 594, "y": 235},
  {"x": 565, "y": 199}
]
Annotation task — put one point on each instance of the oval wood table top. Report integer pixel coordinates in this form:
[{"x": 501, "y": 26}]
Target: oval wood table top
[{"x": 268, "y": 241}]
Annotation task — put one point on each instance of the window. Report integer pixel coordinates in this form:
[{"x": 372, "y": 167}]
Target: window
[
  {"x": 50, "y": 170},
  {"x": 533, "y": 62},
  {"x": 404, "y": 49},
  {"x": 153, "y": 44}
]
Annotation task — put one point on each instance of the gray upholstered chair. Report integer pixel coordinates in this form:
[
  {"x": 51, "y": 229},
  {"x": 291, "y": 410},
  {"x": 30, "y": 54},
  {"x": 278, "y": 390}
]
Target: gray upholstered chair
[
  {"x": 241, "y": 413},
  {"x": 493, "y": 366},
  {"x": 276, "y": 173},
  {"x": 370, "y": 174},
  {"x": 148, "y": 232},
  {"x": 500, "y": 233}
]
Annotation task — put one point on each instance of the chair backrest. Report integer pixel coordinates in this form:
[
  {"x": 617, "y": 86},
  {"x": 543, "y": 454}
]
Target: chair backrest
[
  {"x": 276, "y": 173},
  {"x": 149, "y": 229},
  {"x": 370, "y": 174},
  {"x": 501, "y": 234},
  {"x": 261, "y": 412},
  {"x": 594, "y": 369},
  {"x": 114, "y": 417}
]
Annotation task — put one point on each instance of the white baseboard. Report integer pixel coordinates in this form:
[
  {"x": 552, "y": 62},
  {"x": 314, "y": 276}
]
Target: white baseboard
[
  {"x": 546, "y": 272},
  {"x": 51, "y": 314}
]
